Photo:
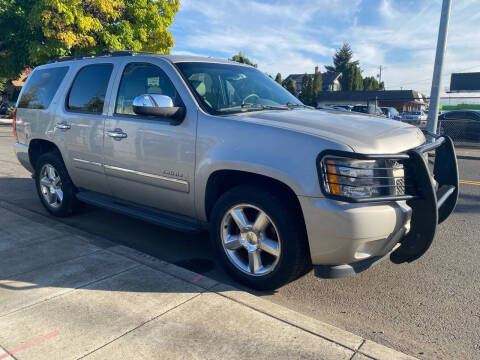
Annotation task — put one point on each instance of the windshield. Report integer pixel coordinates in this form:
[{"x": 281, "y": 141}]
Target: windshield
[{"x": 225, "y": 89}]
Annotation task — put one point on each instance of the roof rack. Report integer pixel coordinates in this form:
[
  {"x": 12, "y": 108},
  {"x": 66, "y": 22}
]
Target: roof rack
[{"x": 105, "y": 53}]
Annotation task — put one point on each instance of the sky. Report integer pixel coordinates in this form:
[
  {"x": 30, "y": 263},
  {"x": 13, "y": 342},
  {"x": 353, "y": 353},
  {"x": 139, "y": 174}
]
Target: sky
[{"x": 293, "y": 36}]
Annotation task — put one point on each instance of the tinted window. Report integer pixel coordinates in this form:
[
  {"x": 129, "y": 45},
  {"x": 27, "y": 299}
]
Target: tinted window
[
  {"x": 362, "y": 109},
  {"x": 89, "y": 88},
  {"x": 455, "y": 115},
  {"x": 470, "y": 116},
  {"x": 139, "y": 79},
  {"x": 41, "y": 88}
]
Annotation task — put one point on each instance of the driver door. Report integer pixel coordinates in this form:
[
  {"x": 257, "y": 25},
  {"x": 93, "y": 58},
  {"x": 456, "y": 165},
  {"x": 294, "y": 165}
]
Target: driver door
[{"x": 152, "y": 162}]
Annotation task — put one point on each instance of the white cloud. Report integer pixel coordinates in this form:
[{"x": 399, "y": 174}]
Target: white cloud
[
  {"x": 293, "y": 36},
  {"x": 187, "y": 53},
  {"x": 279, "y": 36}
]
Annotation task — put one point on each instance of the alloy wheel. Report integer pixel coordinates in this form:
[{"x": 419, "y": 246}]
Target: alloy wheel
[
  {"x": 250, "y": 239},
  {"x": 51, "y": 186}
]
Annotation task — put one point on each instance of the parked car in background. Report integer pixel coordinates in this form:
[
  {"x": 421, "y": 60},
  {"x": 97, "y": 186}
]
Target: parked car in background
[
  {"x": 330, "y": 107},
  {"x": 391, "y": 113},
  {"x": 460, "y": 125},
  {"x": 340, "y": 108},
  {"x": 368, "y": 109},
  {"x": 345, "y": 107},
  {"x": 324, "y": 107},
  {"x": 4, "y": 108},
  {"x": 418, "y": 118}
]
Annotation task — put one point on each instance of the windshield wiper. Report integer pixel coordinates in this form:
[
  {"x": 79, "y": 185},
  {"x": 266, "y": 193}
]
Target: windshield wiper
[{"x": 256, "y": 106}]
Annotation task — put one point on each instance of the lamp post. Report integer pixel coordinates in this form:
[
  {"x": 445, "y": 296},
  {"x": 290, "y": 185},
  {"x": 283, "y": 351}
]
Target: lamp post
[{"x": 432, "y": 119}]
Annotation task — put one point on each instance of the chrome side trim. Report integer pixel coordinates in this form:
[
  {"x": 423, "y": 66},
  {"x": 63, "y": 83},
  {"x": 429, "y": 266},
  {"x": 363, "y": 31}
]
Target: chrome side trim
[
  {"x": 87, "y": 162},
  {"x": 178, "y": 181}
]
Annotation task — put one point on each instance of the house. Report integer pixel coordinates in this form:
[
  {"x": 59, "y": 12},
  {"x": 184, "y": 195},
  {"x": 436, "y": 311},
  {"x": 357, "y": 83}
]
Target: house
[
  {"x": 330, "y": 80},
  {"x": 14, "y": 86},
  {"x": 402, "y": 100}
]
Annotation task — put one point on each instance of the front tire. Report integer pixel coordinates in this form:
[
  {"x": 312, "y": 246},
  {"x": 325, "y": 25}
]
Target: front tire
[
  {"x": 54, "y": 186},
  {"x": 258, "y": 237}
]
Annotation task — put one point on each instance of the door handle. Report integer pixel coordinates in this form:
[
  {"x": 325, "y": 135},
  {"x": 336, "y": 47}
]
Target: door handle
[
  {"x": 117, "y": 134},
  {"x": 62, "y": 126}
]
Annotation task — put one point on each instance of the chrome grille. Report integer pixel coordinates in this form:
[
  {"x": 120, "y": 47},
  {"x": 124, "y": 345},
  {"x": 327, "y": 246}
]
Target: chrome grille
[{"x": 398, "y": 177}]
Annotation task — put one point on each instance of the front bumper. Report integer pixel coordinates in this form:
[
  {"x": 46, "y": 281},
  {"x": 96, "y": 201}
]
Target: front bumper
[{"x": 348, "y": 236}]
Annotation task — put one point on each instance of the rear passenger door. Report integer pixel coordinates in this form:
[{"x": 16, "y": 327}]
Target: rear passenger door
[
  {"x": 153, "y": 164},
  {"x": 80, "y": 126}
]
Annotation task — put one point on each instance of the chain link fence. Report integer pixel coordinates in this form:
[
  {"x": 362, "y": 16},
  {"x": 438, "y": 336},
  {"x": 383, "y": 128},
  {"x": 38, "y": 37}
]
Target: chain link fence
[{"x": 464, "y": 132}]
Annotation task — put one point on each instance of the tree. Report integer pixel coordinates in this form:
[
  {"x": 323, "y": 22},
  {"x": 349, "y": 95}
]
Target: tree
[
  {"x": 33, "y": 32},
  {"x": 242, "y": 59},
  {"x": 307, "y": 96},
  {"x": 342, "y": 58},
  {"x": 3, "y": 84},
  {"x": 351, "y": 78},
  {"x": 351, "y": 73},
  {"x": 290, "y": 85},
  {"x": 317, "y": 83},
  {"x": 278, "y": 78},
  {"x": 370, "y": 83}
]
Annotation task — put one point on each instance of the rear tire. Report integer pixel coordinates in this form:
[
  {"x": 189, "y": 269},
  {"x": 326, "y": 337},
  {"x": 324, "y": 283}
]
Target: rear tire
[
  {"x": 268, "y": 248},
  {"x": 54, "y": 186}
]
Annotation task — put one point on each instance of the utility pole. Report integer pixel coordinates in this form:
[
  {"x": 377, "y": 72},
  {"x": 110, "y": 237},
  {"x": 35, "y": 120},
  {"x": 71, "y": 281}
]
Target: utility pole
[
  {"x": 380, "y": 74},
  {"x": 432, "y": 119}
]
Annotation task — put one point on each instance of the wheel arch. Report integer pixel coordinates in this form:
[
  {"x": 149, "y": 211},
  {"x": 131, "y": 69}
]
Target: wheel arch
[
  {"x": 38, "y": 147},
  {"x": 220, "y": 181}
]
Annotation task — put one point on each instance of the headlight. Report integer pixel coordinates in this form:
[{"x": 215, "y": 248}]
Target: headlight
[{"x": 357, "y": 179}]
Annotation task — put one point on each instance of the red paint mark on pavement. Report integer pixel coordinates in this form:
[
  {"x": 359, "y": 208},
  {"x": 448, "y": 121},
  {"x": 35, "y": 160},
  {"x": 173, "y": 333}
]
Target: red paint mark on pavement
[
  {"x": 196, "y": 278},
  {"x": 30, "y": 344}
]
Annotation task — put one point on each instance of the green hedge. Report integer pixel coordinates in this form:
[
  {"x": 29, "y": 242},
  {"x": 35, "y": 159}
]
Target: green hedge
[{"x": 461, "y": 107}]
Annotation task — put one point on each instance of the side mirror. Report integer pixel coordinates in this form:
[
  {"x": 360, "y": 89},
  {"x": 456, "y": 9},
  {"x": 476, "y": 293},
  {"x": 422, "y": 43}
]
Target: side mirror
[{"x": 159, "y": 106}]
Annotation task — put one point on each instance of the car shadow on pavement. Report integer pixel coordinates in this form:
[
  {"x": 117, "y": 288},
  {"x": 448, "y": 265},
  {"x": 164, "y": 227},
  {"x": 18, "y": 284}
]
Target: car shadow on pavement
[{"x": 62, "y": 258}]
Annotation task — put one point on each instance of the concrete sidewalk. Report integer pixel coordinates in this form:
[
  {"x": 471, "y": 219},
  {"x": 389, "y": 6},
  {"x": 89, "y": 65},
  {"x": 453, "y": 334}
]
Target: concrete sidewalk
[{"x": 67, "y": 295}]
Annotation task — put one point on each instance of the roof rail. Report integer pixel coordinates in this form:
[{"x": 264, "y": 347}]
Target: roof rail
[{"x": 105, "y": 53}]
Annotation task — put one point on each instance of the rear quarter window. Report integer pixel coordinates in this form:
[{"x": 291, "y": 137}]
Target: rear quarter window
[
  {"x": 89, "y": 89},
  {"x": 41, "y": 87}
]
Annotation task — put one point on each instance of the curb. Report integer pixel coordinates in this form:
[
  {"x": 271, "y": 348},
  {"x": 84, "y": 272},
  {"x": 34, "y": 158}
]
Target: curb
[
  {"x": 6, "y": 122},
  {"x": 5, "y": 352},
  {"x": 362, "y": 348}
]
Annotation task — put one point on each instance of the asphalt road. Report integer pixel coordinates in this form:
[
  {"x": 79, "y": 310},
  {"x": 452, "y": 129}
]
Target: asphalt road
[{"x": 429, "y": 309}]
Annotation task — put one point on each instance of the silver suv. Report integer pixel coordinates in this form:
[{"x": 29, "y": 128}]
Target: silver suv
[{"x": 193, "y": 143}]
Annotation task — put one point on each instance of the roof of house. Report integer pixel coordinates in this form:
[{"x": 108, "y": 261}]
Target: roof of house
[
  {"x": 22, "y": 78},
  {"x": 465, "y": 82},
  {"x": 327, "y": 77},
  {"x": 383, "y": 95}
]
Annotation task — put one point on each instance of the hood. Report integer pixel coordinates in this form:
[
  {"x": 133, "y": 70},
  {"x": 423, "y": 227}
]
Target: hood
[{"x": 363, "y": 133}]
